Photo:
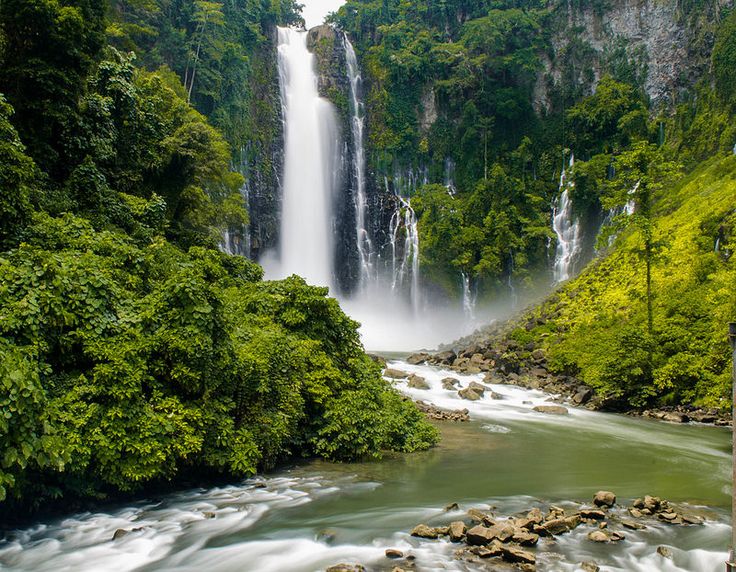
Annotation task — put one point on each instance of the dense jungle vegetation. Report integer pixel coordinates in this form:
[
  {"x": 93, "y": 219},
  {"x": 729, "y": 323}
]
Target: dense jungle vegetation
[
  {"x": 647, "y": 324},
  {"x": 132, "y": 351}
]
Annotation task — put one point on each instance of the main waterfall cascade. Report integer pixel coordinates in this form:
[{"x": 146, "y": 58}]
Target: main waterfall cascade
[
  {"x": 384, "y": 293},
  {"x": 567, "y": 227},
  {"x": 311, "y": 145}
]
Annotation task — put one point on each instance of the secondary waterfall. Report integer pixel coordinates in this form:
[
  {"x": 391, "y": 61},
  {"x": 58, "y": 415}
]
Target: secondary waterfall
[
  {"x": 357, "y": 124},
  {"x": 469, "y": 298},
  {"x": 310, "y": 159},
  {"x": 405, "y": 253},
  {"x": 567, "y": 228}
]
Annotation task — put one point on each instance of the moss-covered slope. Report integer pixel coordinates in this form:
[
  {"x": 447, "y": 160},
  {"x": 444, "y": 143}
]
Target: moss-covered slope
[{"x": 595, "y": 327}]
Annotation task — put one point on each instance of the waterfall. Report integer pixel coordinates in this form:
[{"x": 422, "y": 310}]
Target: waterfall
[
  {"x": 450, "y": 176},
  {"x": 405, "y": 253},
  {"x": 357, "y": 121},
  {"x": 311, "y": 141},
  {"x": 567, "y": 228},
  {"x": 469, "y": 298}
]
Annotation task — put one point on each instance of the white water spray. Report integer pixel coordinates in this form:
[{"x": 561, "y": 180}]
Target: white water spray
[
  {"x": 310, "y": 159},
  {"x": 567, "y": 228}
]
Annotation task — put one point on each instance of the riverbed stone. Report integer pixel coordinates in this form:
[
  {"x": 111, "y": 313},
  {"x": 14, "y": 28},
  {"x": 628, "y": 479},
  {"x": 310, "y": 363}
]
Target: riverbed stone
[
  {"x": 477, "y": 515},
  {"x": 449, "y": 383},
  {"x": 457, "y": 530},
  {"x": 394, "y": 553},
  {"x": 664, "y": 551},
  {"x": 418, "y": 382},
  {"x": 342, "y": 567},
  {"x": 551, "y": 409},
  {"x": 598, "y": 536},
  {"x": 395, "y": 373},
  {"x": 589, "y": 566},
  {"x": 558, "y": 525},
  {"x": 525, "y": 538},
  {"x": 446, "y": 357},
  {"x": 469, "y": 394},
  {"x": 592, "y": 514},
  {"x": 120, "y": 533},
  {"x": 514, "y": 554},
  {"x": 632, "y": 525},
  {"x": 424, "y": 531},
  {"x": 604, "y": 498},
  {"x": 417, "y": 359},
  {"x": 479, "y": 535}
]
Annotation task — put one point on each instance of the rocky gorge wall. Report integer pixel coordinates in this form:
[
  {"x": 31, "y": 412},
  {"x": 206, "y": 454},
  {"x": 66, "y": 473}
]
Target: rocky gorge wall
[{"x": 663, "y": 46}]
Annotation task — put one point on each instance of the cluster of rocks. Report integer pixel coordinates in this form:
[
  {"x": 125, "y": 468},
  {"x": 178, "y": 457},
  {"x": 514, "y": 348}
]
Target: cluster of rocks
[
  {"x": 512, "y": 364},
  {"x": 512, "y": 539},
  {"x": 505, "y": 361},
  {"x": 686, "y": 414},
  {"x": 432, "y": 412}
]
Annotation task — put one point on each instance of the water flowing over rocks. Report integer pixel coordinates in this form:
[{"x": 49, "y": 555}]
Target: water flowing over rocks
[
  {"x": 513, "y": 539},
  {"x": 506, "y": 361}
]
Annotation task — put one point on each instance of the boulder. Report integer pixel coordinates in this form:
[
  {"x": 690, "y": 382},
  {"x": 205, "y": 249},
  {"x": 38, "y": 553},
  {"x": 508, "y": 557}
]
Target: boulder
[
  {"x": 477, "y": 359},
  {"x": 664, "y": 552},
  {"x": 346, "y": 568},
  {"x": 418, "y": 382},
  {"x": 551, "y": 409},
  {"x": 119, "y": 533},
  {"x": 477, "y": 515},
  {"x": 650, "y": 503},
  {"x": 416, "y": 359},
  {"x": 380, "y": 360},
  {"x": 394, "y": 553},
  {"x": 582, "y": 396},
  {"x": 675, "y": 417},
  {"x": 424, "y": 531},
  {"x": 525, "y": 538},
  {"x": 604, "y": 498},
  {"x": 395, "y": 373},
  {"x": 479, "y": 535},
  {"x": 589, "y": 566},
  {"x": 538, "y": 355},
  {"x": 469, "y": 394},
  {"x": 449, "y": 383},
  {"x": 457, "y": 530},
  {"x": 514, "y": 554},
  {"x": 592, "y": 514},
  {"x": 630, "y": 524},
  {"x": 558, "y": 525},
  {"x": 451, "y": 506},
  {"x": 477, "y": 387},
  {"x": 598, "y": 536},
  {"x": 446, "y": 357}
]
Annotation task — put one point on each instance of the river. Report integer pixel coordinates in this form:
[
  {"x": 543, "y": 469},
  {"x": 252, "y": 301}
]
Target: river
[{"x": 317, "y": 514}]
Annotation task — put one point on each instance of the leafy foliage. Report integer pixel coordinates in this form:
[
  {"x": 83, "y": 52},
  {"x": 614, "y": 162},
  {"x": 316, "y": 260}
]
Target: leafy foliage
[{"x": 127, "y": 364}]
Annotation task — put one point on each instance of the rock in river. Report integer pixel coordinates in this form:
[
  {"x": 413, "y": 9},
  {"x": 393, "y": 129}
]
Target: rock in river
[
  {"x": 604, "y": 498},
  {"x": 418, "y": 382},
  {"x": 395, "y": 373},
  {"x": 424, "y": 531},
  {"x": 551, "y": 409}
]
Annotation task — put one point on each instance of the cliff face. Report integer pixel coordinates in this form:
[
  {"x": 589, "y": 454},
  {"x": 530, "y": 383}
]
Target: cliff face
[{"x": 658, "y": 44}]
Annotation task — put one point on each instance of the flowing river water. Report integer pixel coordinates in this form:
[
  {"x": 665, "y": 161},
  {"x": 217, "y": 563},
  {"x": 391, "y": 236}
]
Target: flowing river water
[{"x": 317, "y": 514}]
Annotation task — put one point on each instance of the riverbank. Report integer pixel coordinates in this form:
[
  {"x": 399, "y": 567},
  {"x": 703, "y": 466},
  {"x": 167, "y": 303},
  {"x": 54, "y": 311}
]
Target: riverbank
[
  {"x": 502, "y": 360},
  {"x": 318, "y": 514}
]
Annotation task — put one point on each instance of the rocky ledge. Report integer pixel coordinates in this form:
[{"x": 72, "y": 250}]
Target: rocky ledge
[
  {"x": 512, "y": 540},
  {"x": 508, "y": 362}
]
